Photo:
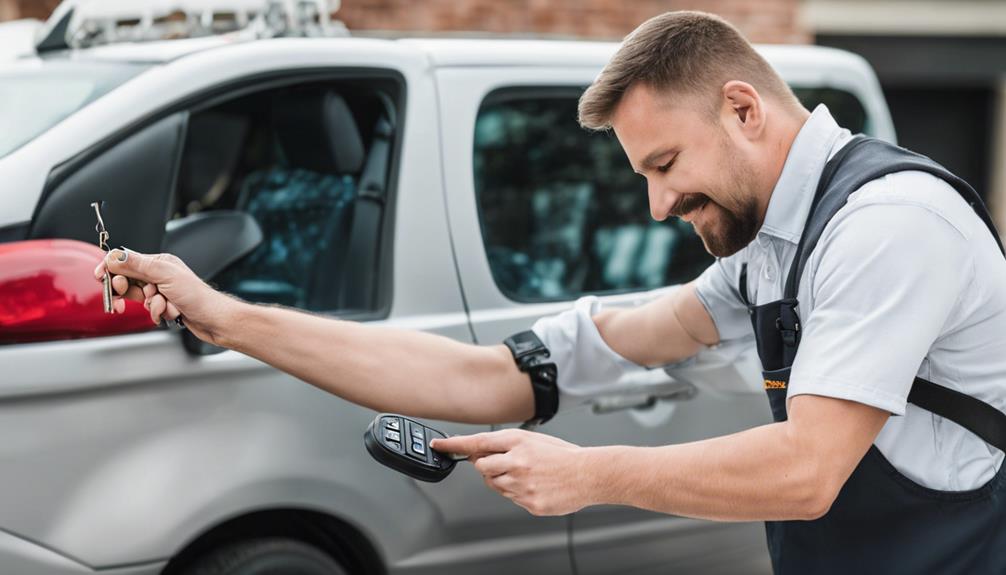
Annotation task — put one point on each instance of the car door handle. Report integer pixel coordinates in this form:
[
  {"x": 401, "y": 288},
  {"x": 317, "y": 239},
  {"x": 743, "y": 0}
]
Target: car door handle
[{"x": 673, "y": 390}]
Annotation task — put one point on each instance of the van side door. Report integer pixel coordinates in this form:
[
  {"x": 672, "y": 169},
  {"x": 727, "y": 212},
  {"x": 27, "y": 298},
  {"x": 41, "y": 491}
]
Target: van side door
[{"x": 543, "y": 212}]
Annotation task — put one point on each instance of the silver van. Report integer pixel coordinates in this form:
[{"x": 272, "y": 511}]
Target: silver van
[{"x": 432, "y": 184}]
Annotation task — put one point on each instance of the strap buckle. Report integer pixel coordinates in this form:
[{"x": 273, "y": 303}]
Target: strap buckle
[{"x": 788, "y": 322}]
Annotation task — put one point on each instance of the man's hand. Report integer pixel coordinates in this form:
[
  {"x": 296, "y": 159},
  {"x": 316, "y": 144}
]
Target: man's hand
[
  {"x": 168, "y": 289},
  {"x": 541, "y": 473},
  {"x": 782, "y": 471}
]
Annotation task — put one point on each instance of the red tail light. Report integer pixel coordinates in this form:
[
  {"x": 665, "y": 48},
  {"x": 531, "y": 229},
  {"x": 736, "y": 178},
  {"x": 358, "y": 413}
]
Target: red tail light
[{"x": 48, "y": 292}]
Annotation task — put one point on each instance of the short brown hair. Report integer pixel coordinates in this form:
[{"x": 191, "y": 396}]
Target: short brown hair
[{"x": 684, "y": 52}]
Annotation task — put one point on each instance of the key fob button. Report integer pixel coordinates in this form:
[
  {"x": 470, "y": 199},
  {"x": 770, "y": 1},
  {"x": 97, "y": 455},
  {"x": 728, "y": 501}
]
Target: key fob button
[
  {"x": 392, "y": 436},
  {"x": 418, "y": 448},
  {"x": 435, "y": 456},
  {"x": 414, "y": 439},
  {"x": 392, "y": 424}
]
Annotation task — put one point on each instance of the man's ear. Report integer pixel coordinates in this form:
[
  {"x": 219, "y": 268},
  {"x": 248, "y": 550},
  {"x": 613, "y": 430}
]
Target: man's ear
[{"x": 744, "y": 108}]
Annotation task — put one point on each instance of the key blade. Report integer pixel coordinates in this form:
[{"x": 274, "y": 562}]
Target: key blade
[{"x": 106, "y": 292}]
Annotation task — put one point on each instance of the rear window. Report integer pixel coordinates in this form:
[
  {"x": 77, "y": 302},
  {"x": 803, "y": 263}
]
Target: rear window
[
  {"x": 35, "y": 96},
  {"x": 845, "y": 107}
]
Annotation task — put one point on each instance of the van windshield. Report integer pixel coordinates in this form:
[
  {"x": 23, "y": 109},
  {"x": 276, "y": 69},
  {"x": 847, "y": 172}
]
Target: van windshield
[{"x": 36, "y": 95}]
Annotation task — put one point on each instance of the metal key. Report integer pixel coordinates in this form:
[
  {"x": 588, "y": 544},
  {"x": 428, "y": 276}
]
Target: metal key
[{"x": 106, "y": 280}]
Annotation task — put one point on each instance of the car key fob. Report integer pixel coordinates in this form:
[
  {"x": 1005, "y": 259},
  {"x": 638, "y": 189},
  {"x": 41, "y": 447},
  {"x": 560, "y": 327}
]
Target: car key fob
[{"x": 404, "y": 445}]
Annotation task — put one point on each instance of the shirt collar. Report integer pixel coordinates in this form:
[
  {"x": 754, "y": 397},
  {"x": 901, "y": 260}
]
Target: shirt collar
[{"x": 818, "y": 139}]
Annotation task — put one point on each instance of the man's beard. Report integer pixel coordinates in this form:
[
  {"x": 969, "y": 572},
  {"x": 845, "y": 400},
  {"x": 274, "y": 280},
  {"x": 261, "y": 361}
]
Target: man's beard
[{"x": 727, "y": 231}]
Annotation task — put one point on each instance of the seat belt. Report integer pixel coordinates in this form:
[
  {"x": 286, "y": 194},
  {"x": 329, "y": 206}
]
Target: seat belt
[{"x": 359, "y": 274}]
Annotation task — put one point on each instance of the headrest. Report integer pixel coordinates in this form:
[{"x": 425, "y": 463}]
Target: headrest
[
  {"x": 317, "y": 132},
  {"x": 212, "y": 145}
]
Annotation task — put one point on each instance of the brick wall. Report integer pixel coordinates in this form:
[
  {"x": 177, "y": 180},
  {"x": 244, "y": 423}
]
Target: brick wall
[
  {"x": 8, "y": 10},
  {"x": 760, "y": 20},
  {"x": 13, "y": 9}
]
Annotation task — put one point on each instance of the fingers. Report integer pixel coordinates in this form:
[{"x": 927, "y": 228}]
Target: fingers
[
  {"x": 474, "y": 456},
  {"x": 134, "y": 293},
  {"x": 493, "y": 465},
  {"x": 504, "y": 484},
  {"x": 459, "y": 444},
  {"x": 491, "y": 442},
  {"x": 123, "y": 286},
  {"x": 128, "y": 289},
  {"x": 157, "y": 306},
  {"x": 120, "y": 284},
  {"x": 137, "y": 266},
  {"x": 160, "y": 308},
  {"x": 497, "y": 486},
  {"x": 172, "y": 313},
  {"x": 125, "y": 290}
]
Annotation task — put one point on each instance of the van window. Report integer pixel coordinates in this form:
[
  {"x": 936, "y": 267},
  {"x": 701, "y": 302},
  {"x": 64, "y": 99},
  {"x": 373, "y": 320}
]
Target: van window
[
  {"x": 295, "y": 159},
  {"x": 563, "y": 214},
  {"x": 561, "y": 211}
]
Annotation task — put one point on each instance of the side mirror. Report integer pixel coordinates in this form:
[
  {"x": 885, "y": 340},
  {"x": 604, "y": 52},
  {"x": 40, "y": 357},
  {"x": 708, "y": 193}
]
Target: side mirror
[{"x": 208, "y": 243}]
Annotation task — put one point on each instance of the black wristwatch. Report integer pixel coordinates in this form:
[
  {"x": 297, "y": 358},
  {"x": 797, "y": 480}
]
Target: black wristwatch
[{"x": 532, "y": 356}]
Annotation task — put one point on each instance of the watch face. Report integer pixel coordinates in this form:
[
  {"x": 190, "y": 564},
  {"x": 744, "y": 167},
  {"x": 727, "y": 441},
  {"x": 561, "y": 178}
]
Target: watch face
[{"x": 525, "y": 342}]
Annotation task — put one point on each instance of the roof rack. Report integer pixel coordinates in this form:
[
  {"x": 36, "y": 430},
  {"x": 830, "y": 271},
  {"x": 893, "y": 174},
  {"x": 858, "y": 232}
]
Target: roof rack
[{"x": 86, "y": 23}]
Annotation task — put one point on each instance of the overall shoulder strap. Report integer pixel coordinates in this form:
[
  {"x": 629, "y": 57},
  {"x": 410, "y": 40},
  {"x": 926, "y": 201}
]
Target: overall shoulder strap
[
  {"x": 860, "y": 161},
  {"x": 863, "y": 160}
]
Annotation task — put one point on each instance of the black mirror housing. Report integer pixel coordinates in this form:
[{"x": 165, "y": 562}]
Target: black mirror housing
[{"x": 209, "y": 242}]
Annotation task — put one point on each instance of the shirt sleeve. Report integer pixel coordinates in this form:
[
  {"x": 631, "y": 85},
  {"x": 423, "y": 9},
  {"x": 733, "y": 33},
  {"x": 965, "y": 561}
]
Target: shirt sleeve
[
  {"x": 586, "y": 365},
  {"x": 717, "y": 288},
  {"x": 588, "y": 368},
  {"x": 884, "y": 279}
]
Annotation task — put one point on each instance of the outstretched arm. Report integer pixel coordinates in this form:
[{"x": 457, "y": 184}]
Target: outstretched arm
[
  {"x": 382, "y": 368},
  {"x": 389, "y": 369}
]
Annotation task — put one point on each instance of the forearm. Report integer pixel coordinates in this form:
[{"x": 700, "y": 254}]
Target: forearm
[
  {"x": 383, "y": 368},
  {"x": 758, "y": 474},
  {"x": 666, "y": 330}
]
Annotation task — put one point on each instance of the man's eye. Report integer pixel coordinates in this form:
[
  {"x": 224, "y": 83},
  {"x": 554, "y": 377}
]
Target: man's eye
[{"x": 667, "y": 166}]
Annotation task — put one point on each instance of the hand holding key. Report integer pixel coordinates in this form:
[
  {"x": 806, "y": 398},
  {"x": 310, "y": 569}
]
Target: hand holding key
[{"x": 168, "y": 289}]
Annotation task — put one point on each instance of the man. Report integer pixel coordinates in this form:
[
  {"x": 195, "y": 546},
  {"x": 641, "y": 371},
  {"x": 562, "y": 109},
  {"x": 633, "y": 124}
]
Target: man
[{"x": 897, "y": 277}]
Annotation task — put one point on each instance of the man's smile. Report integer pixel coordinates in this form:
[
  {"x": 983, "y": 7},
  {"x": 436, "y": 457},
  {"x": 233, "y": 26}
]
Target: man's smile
[{"x": 694, "y": 212}]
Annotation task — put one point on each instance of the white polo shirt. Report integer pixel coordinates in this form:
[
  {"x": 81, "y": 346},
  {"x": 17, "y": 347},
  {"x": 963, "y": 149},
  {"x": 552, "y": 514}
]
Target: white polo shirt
[{"x": 905, "y": 281}]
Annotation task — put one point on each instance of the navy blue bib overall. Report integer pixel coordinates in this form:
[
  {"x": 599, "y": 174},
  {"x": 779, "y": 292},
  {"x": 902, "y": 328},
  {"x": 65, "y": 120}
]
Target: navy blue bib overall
[{"x": 881, "y": 521}]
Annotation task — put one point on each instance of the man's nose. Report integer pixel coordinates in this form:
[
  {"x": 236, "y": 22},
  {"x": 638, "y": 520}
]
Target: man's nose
[{"x": 661, "y": 200}]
